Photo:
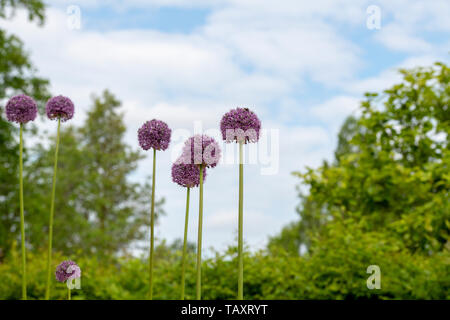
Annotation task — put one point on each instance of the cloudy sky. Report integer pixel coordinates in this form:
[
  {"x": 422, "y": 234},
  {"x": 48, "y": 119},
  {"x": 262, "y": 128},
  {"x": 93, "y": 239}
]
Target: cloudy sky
[{"x": 302, "y": 66}]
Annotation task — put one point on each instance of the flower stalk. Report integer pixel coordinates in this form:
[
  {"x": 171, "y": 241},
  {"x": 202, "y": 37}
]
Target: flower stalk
[
  {"x": 241, "y": 225},
  {"x": 21, "y": 109},
  {"x": 199, "y": 244},
  {"x": 183, "y": 261},
  {"x": 152, "y": 228},
  {"x": 52, "y": 210},
  {"x": 240, "y": 125},
  {"x": 153, "y": 134},
  {"x": 22, "y": 217}
]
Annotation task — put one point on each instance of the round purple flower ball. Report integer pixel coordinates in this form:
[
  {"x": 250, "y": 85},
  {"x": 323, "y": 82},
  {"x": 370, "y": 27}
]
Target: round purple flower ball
[
  {"x": 59, "y": 107},
  {"x": 201, "y": 150},
  {"x": 186, "y": 175},
  {"x": 240, "y": 124},
  {"x": 67, "y": 270},
  {"x": 21, "y": 109},
  {"x": 154, "y": 134}
]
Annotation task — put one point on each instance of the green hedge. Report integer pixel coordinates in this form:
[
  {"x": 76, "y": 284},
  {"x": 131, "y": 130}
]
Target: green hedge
[{"x": 336, "y": 269}]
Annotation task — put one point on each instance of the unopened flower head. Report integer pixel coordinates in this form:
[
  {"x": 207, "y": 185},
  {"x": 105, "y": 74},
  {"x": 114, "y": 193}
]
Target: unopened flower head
[
  {"x": 67, "y": 270},
  {"x": 241, "y": 125},
  {"x": 186, "y": 175},
  {"x": 60, "y": 107},
  {"x": 154, "y": 134},
  {"x": 201, "y": 150},
  {"x": 21, "y": 109}
]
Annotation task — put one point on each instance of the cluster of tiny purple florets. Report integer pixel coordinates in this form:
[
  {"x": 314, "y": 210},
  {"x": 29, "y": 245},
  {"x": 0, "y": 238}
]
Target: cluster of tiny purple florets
[
  {"x": 60, "y": 107},
  {"x": 201, "y": 150},
  {"x": 154, "y": 134},
  {"x": 187, "y": 175},
  {"x": 21, "y": 109},
  {"x": 240, "y": 124},
  {"x": 67, "y": 270}
]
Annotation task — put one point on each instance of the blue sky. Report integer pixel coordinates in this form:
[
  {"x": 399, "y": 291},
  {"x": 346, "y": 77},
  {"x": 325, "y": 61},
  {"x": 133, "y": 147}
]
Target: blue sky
[
  {"x": 302, "y": 67},
  {"x": 164, "y": 19}
]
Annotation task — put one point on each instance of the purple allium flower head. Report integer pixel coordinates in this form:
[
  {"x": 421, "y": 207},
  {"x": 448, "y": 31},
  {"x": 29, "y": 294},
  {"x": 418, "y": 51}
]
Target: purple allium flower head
[
  {"x": 154, "y": 134},
  {"x": 67, "y": 270},
  {"x": 201, "y": 150},
  {"x": 59, "y": 107},
  {"x": 240, "y": 124},
  {"x": 21, "y": 109},
  {"x": 186, "y": 175}
]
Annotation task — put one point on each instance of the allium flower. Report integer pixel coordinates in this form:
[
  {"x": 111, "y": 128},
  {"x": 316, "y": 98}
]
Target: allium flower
[
  {"x": 201, "y": 149},
  {"x": 67, "y": 270},
  {"x": 154, "y": 134},
  {"x": 243, "y": 126},
  {"x": 59, "y": 107},
  {"x": 240, "y": 124},
  {"x": 21, "y": 109},
  {"x": 186, "y": 175},
  {"x": 204, "y": 152}
]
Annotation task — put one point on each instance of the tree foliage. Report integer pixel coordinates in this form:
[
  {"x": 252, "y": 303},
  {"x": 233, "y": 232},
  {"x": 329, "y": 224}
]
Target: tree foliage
[
  {"x": 17, "y": 75},
  {"x": 9, "y": 153},
  {"x": 384, "y": 200},
  {"x": 337, "y": 270},
  {"x": 34, "y": 8},
  {"x": 98, "y": 208},
  {"x": 392, "y": 167}
]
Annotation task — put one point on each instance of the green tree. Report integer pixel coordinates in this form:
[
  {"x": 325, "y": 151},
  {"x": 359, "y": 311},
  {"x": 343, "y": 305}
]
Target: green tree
[
  {"x": 290, "y": 239},
  {"x": 17, "y": 75},
  {"x": 392, "y": 169},
  {"x": 384, "y": 200},
  {"x": 118, "y": 207},
  {"x": 70, "y": 227},
  {"x": 35, "y": 8},
  {"x": 348, "y": 130},
  {"x": 9, "y": 153},
  {"x": 98, "y": 209}
]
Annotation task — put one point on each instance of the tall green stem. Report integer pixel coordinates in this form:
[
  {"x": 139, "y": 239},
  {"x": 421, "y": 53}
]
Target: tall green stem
[
  {"x": 69, "y": 296},
  {"x": 199, "y": 244},
  {"x": 52, "y": 210},
  {"x": 241, "y": 224},
  {"x": 183, "y": 262},
  {"x": 152, "y": 227},
  {"x": 22, "y": 217}
]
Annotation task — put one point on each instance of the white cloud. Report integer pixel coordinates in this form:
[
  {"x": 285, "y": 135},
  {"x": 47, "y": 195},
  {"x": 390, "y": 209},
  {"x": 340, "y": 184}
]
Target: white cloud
[
  {"x": 389, "y": 76},
  {"x": 284, "y": 44},
  {"x": 418, "y": 15},
  {"x": 398, "y": 38},
  {"x": 335, "y": 110},
  {"x": 121, "y": 5},
  {"x": 408, "y": 23}
]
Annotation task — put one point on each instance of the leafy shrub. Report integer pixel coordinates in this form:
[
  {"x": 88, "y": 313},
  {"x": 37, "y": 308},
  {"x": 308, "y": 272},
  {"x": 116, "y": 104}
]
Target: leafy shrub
[{"x": 336, "y": 269}]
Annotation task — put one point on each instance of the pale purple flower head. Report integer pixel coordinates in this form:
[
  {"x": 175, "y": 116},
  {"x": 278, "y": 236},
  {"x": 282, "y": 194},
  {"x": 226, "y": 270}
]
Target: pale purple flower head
[
  {"x": 240, "y": 124},
  {"x": 201, "y": 150},
  {"x": 67, "y": 270},
  {"x": 21, "y": 109},
  {"x": 59, "y": 107},
  {"x": 154, "y": 134},
  {"x": 186, "y": 175}
]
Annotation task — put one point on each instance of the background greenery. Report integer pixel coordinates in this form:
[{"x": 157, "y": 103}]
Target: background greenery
[{"x": 384, "y": 200}]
